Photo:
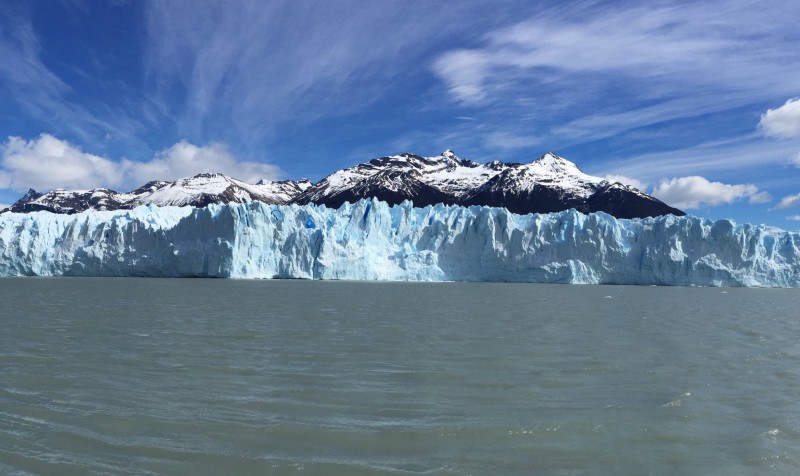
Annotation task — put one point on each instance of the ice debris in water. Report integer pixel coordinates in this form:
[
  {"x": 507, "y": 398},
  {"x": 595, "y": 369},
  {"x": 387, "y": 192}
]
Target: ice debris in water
[{"x": 370, "y": 240}]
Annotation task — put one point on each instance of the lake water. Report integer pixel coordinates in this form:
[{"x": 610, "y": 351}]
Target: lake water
[{"x": 193, "y": 377}]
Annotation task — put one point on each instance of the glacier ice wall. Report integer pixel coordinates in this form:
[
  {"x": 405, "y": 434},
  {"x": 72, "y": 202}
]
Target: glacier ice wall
[{"x": 370, "y": 240}]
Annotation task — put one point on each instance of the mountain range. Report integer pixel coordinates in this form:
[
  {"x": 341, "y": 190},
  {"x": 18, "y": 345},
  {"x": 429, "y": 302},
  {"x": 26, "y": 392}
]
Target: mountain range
[{"x": 548, "y": 184}]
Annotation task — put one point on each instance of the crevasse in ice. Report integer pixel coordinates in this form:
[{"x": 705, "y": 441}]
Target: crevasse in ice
[{"x": 370, "y": 240}]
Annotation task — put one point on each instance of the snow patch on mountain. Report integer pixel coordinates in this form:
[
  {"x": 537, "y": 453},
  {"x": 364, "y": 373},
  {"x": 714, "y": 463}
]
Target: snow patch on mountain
[
  {"x": 548, "y": 184},
  {"x": 199, "y": 190}
]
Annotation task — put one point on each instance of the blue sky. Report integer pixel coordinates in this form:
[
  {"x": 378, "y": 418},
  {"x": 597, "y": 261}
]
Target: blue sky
[{"x": 695, "y": 102}]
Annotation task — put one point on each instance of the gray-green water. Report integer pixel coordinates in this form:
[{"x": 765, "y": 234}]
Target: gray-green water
[{"x": 146, "y": 376}]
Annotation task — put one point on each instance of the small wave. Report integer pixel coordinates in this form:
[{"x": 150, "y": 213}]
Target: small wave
[
  {"x": 678, "y": 401},
  {"x": 19, "y": 391}
]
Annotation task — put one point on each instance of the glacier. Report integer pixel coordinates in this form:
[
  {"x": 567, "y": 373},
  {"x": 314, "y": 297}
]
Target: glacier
[{"x": 370, "y": 240}]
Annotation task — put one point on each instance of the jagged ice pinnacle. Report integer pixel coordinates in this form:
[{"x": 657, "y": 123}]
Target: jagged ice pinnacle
[{"x": 370, "y": 240}]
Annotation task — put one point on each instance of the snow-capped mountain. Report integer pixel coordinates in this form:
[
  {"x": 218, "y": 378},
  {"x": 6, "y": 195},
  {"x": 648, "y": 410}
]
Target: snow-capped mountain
[
  {"x": 197, "y": 191},
  {"x": 68, "y": 201},
  {"x": 548, "y": 184},
  {"x": 552, "y": 183},
  {"x": 423, "y": 180},
  {"x": 204, "y": 189}
]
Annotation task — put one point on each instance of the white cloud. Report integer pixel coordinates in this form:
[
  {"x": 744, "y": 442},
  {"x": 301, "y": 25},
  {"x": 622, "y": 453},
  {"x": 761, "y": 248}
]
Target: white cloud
[
  {"x": 43, "y": 95},
  {"x": 783, "y": 121},
  {"x": 244, "y": 66},
  {"x": 638, "y": 184},
  {"x": 711, "y": 157},
  {"x": 184, "y": 159},
  {"x": 5, "y": 180},
  {"x": 793, "y": 217},
  {"x": 644, "y": 42},
  {"x": 658, "y": 63},
  {"x": 696, "y": 192},
  {"x": 464, "y": 71},
  {"x": 789, "y": 201},
  {"x": 796, "y": 160},
  {"x": 760, "y": 197},
  {"x": 47, "y": 162}
]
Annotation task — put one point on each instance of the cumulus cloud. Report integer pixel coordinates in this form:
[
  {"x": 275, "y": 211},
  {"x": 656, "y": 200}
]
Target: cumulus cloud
[
  {"x": 696, "y": 192},
  {"x": 789, "y": 201},
  {"x": 47, "y": 162},
  {"x": 793, "y": 217},
  {"x": 185, "y": 159},
  {"x": 638, "y": 184},
  {"x": 783, "y": 122}
]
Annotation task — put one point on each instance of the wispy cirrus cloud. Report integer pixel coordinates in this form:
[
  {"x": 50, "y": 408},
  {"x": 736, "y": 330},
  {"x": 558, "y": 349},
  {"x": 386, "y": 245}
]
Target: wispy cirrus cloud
[
  {"x": 506, "y": 140},
  {"x": 22, "y": 70},
  {"x": 465, "y": 72},
  {"x": 630, "y": 66},
  {"x": 45, "y": 96},
  {"x": 245, "y": 67},
  {"x": 730, "y": 157}
]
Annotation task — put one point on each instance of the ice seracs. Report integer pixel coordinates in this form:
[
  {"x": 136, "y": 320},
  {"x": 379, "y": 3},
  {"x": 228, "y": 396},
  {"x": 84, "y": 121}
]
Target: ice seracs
[{"x": 370, "y": 240}]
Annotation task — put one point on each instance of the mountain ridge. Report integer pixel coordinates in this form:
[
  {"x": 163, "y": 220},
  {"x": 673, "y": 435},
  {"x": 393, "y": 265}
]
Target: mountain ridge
[{"x": 549, "y": 184}]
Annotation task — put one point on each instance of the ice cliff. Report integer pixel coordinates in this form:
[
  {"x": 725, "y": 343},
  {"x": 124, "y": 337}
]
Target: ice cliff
[{"x": 370, "y": 240}]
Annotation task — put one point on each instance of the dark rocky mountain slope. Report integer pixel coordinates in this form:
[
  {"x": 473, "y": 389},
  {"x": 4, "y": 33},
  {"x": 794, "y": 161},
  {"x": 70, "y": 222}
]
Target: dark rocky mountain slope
[{"x": 548, "y": 184}]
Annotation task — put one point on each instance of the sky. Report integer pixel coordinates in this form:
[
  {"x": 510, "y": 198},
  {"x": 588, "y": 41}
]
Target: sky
[{"x": 697, "y": 103}]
